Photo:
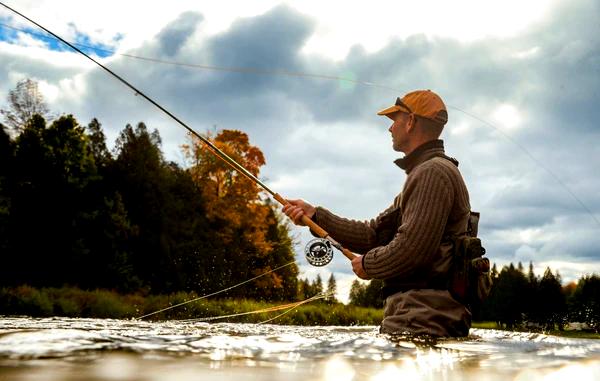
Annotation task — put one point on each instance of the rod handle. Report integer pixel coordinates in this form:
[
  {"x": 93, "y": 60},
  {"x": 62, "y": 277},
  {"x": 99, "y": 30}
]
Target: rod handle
[
  {"x": 305, "y": 220},
  {"x": 348, "y": 254},
  {"x": 316, "y": 228}
]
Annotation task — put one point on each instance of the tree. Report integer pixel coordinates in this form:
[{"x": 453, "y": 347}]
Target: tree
[
  {"x": 24, "y": 102},
  {"x": 367, "y": 295},
  {"x": 507, "y": 299},
  {"x": 7, "y": 153},
  {"x": 49, "y": 203},
  {"x": 585, "y": 303},
  {"x": 551, "y": 302},
  {"x": 141, "y": 176},
  {"x": 357, "y": 293},
  {"x": 240, "y": 218},
  {"x": 97, "y": 144},
  {"x": 332, "y": 289},
  {"x": 532, "y": 309},
  {"x": 318, "y": 285}
]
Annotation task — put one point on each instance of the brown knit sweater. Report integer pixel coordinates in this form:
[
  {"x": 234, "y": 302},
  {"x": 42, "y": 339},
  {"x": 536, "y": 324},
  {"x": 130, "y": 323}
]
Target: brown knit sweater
[{"x": 433, "y": 205}]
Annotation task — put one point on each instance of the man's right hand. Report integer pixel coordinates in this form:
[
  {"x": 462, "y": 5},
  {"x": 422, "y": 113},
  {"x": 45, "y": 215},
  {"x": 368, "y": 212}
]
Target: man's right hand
[{"x": 295, "y": 209}]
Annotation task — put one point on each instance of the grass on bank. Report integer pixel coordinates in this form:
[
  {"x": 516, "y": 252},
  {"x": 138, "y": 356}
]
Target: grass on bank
[
  {"x": 73, "y": 302},
  {"x": 574, "y": 334}
]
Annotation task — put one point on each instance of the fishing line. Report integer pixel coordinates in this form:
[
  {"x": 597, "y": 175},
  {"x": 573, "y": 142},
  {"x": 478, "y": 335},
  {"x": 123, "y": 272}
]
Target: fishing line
[
  {"x": 326, "y": 295},
  {"x": 243, "y": 70},
  {"x": 250, "y": 70},
  {"x": 289, "y": 307},
  {"x": 214, "y": 293},
  {"x": 317, "y": 254}
]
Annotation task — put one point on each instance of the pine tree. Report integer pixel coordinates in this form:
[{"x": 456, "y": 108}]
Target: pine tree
[
  {"x": 318, "y": 285},
  {"x": 332, "y": 289}
]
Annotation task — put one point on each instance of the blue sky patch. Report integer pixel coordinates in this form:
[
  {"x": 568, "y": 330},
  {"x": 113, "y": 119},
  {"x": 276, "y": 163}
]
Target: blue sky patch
[{"x": 82, "y": 41}]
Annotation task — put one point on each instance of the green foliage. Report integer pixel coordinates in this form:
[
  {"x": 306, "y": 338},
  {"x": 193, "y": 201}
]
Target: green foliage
[
  {"x": 367, "y": 295},
  {"x": 331, "y": 289},
  {"x": 520, "y": 301},
  {"x": 72, "y": 302},
  {"x": 6, "y": 166},
  {"x": 307, "y": 289},
  {"x": 584, "y": 304}
]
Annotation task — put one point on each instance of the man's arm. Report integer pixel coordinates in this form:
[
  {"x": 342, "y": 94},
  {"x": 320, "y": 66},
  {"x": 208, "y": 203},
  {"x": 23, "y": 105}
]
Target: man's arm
[
  {"x": 428, "y": 199},
  {"x": 357, "y": 236}
]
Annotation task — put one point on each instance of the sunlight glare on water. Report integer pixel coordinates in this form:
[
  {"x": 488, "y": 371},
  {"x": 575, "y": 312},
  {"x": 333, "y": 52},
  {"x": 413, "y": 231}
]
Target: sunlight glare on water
[{"x": 103, "y": 349}]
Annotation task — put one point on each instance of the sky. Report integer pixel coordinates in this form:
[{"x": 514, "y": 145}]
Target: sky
[{"x": 521, "y": 81}]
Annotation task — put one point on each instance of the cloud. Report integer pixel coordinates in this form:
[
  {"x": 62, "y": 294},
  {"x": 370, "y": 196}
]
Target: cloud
[
  {"x": 538, "y": 87},
  {"x": 174, "y": 36}
]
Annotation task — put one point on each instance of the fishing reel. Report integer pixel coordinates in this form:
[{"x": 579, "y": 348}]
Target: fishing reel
[{"x": 318, "y": 252}]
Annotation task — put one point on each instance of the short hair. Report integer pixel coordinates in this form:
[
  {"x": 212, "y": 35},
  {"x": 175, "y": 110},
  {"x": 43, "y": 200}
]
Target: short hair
[{"x": 430, "y": 127}]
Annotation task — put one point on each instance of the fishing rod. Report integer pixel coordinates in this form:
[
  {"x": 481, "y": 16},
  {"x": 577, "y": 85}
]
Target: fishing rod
[
  {"x": 258, "y": 71},
  {"x": 318, "y": 251}
]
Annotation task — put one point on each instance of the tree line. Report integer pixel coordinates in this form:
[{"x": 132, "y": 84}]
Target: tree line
[
  {"x": 74, "y": 213},
  {"x": 520, "y": 299}
]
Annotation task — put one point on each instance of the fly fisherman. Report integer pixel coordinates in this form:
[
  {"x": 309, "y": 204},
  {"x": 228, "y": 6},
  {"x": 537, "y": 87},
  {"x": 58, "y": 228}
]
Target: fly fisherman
[{"x": 409, "y": 245}]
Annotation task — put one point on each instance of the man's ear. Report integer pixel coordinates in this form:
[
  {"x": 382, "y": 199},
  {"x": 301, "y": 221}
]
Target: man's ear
[{"x": 412, "y": 122}]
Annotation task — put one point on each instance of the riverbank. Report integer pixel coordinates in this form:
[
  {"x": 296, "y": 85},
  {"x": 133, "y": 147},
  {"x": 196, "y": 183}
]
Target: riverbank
[
  {"x": 571, "y": 333},
  {"x": 73, "y": 302}
]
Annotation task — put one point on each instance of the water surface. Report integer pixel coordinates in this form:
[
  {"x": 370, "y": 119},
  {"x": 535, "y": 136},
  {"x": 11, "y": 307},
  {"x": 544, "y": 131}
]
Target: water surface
[{"x": 104, "y": 349}]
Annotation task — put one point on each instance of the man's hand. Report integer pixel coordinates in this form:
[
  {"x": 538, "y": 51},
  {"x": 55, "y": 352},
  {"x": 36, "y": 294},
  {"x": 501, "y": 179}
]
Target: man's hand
[
  {"x": 298, "y": 208},
  {"x": 358, "y": 269}
]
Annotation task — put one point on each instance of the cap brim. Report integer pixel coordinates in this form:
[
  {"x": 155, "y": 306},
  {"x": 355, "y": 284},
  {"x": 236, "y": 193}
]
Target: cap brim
[{"x": 389, "y": 110}]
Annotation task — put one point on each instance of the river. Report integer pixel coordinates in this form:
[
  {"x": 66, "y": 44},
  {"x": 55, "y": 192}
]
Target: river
[{"x": 104, "y": 349}]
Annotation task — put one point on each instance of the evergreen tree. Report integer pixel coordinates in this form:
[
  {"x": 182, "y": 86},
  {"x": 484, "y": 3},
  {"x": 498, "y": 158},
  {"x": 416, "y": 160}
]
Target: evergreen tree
[
  {"x": 551, "y": 302},
  {"x": 532, "y": 309},
  {"x": 507, "y": 297},
  {"x": 6, "y": 166},
  {"x": 332, "y": 289},
  {"x": 585, "y": 303},
  {"x": 49, "y": 208},
  {"x": 140, "y": 176},
  {"x": 97, "y": 144},
  {"x": 318, "y": 285}
]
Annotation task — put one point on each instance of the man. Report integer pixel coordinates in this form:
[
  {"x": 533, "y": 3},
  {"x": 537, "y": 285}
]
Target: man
[{"x": 409, "y": 245}]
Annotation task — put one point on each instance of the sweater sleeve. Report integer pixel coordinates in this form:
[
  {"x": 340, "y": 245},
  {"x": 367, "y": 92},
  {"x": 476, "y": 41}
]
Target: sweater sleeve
[
  {"x": 357, "y": 236},
  {"x": 427, "y": 203}
]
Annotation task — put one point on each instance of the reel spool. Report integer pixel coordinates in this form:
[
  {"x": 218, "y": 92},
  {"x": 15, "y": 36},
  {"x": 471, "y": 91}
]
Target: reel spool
[{"x": 318, "y": 252}]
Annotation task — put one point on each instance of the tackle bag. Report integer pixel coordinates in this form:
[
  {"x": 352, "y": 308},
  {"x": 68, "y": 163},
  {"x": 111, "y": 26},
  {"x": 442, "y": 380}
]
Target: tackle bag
[{"x": 470, "y": 280}]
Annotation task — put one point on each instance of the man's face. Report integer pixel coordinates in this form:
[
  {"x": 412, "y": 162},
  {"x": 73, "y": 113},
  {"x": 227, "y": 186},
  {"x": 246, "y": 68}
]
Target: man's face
[{"x": 399, "y": 131}]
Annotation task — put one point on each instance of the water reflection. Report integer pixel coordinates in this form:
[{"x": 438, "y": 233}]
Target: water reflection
[{"x": 65, "y": 349}]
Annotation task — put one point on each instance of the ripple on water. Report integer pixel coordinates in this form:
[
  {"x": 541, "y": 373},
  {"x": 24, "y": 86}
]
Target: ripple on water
[{"x": 179, "y": 349}]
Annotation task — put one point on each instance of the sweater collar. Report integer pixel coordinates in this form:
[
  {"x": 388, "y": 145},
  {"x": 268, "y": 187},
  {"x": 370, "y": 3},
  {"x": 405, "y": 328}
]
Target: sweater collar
[{"x": 423, "y": 153}]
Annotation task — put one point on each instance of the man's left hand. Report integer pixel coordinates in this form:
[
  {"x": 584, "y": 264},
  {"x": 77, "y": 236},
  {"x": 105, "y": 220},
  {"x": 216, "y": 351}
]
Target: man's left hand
[{"x": 358, "y": 269}]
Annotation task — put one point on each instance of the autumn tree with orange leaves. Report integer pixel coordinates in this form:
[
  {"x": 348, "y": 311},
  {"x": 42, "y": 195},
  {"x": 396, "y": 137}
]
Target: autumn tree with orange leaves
[{"x": 256, "y": 239}]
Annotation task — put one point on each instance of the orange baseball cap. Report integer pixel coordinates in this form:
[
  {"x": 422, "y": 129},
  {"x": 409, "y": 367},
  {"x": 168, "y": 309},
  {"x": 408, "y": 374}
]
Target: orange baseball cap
[{"x": 424, "y": 103}]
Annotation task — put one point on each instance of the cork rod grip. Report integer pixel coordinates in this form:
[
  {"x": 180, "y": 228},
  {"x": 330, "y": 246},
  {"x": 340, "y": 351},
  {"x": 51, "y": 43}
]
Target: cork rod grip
[{"x": 316, "y": 228}]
